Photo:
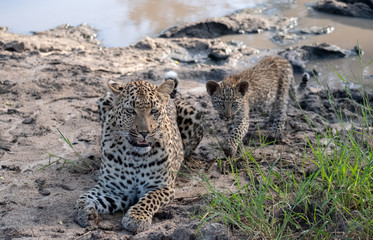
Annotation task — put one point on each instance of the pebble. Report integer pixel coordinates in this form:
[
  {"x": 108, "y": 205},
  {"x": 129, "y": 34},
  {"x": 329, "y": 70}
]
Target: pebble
[
  {"x": 28, "y": 120},
  {"x": 15, "y": 46}
]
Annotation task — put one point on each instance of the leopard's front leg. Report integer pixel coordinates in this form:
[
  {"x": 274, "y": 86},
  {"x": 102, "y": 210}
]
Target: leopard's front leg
[
  {"x": 139, "y": 217},
  {"x": 237, "y": 129}
]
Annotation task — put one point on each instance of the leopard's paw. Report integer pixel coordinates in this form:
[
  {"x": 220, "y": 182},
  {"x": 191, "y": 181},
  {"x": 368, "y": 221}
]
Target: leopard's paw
[
  {"x": 86, "y": 216},
  {"x": 135, "y": 224}
]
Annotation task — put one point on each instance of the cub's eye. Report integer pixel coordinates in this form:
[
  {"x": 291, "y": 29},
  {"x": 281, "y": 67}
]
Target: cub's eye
[
  {"x": 154, "y": 111},
  {"x": 234, "y": 104},
  {"x": 130, "y": 111}
]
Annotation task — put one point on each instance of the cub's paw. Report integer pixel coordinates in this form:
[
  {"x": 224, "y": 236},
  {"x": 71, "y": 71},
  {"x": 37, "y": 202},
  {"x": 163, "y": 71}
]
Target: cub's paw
[
  {"x": 230, "y": 152},
  {"x": 87, "y": 216},
  {"x": 135, "y": 224}
]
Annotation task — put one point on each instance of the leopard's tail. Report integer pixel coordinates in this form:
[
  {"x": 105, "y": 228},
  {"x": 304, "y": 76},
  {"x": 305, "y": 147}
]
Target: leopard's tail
[
  {"x": 302, "y": 86},
  {"x": 173, "y": 76}
]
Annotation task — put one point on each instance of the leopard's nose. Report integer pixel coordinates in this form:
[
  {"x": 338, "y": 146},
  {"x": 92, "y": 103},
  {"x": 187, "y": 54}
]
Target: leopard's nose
[{"x": 144, "y": 134}]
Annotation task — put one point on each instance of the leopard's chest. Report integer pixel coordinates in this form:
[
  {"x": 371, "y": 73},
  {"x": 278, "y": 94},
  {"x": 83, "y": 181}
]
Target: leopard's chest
[{"x": 133, "y": 173}]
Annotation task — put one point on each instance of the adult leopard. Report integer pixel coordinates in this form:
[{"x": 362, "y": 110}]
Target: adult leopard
[{"x": 142, "y": 150}]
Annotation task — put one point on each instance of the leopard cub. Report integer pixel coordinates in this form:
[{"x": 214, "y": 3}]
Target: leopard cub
[{"x": 266, "y": 85}]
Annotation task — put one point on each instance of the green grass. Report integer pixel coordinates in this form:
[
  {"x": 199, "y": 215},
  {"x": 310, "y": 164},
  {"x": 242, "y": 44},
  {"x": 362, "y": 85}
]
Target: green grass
[
  {"x": 334, "y": 199},
  {"x": 55, "y": 159}
]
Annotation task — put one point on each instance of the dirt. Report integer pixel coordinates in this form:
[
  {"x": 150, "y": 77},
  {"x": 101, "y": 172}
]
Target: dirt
[{"x": 52, "y": 80}]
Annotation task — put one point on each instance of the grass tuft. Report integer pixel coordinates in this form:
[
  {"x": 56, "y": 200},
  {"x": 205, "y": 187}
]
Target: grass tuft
[{"x": 54, "y": 159}]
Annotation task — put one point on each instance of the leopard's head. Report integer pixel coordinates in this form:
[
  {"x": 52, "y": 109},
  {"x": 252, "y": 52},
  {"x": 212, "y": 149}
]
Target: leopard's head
[
  {"x": 227, "y": 100},
  {"x": 139, "y": 111}
]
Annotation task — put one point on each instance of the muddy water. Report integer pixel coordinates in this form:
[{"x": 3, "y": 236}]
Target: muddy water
[
  {"x": 348, "y": 33},
  {"x": 123, "y": 22}
]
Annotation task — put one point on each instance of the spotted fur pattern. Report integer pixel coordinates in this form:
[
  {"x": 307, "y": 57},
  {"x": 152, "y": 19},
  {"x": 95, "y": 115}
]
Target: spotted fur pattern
[
  {"x": 264, "y": 86},
  {"x": 189, "y": 119},
  {"x": 142, "y": 150}
]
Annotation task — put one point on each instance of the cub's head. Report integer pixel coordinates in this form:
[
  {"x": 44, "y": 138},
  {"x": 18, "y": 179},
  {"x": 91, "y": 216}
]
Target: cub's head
[
  {"x": 227, "y": 99},
  {"x": 139, "y": 110}
]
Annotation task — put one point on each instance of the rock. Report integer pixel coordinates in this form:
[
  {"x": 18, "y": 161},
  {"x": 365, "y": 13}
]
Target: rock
[
  {"x": 285, "y": 38},
  {"x": 315, "y": 30},
  {"x": 11, "y": 111},
  {"x": 357, "y": 8},
  {"x": 185, "y": 231},
  {"x": 146, "y": 44},
  {"x": 81, "y": 33},
  {"x": 15, "y": 46},
  {"x": 298, "y": 56},
  {"x": 29, "y": 120},
  {"x": 213, "y": 231},
  {"x": 208, "y": 231},
  {"x": 237, "y": 23},
  {"x": 219, "y": 51},
  {"x": 3, "y": 29}
]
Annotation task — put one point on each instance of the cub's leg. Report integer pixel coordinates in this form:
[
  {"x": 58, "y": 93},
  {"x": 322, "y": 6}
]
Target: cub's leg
[
  {"x": 189, "y": 119},
  {"x": 237, "y": 129},
  {"x": 279, "y": 107},
  {"x": 98, "y": 200},
  {"x": 139, "y": 216}
]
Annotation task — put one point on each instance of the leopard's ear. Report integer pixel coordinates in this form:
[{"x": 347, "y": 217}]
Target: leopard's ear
[
  {"x": 212, "y": 87},
  {"x": 242, "y": 87},
  {"x": 166, "y": 88},
  {"x": 115, "y": 87}
]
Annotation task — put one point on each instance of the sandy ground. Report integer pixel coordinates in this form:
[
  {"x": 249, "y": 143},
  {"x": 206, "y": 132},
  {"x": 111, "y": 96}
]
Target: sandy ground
[{"x": 52, "y": 80}]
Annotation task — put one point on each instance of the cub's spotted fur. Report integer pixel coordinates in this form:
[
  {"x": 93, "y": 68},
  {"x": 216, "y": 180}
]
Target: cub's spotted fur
[
  {"x": 265, "y": 85},
  {"x": 142, "y": 149}
]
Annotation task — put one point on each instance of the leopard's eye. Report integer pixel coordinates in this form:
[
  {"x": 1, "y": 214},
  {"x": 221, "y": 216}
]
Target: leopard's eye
[
  {"x": 130, "y": 111},
  {"x": 234, "y": 104},
  {"x": 220, "y": 103},
  {"x": 154, "y": 111}
]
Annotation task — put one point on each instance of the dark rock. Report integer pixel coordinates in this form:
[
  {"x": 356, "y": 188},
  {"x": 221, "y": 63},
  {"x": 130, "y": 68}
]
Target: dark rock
[
  {"x": 208, "y": 231},
  {"x": 213, "y": 231},
  {"x": 156, "y": 235},
  {"x": 11, "y": 111},
  {"x": 237, "y": 23},
  {"x": 311, "y": 103},
  {"x": 325, "y": 50},
  {"x": 15, "y": 46},
  {"x": 185, "y": 231},
  {"x": 3, "y": 29},
  {"x": 28, "y": 120},
  {"x": 11, "y": 168},
  {"x": 219, "y": 51},
  {"x": 298, "y": 56},
  {"x": 352, "y": 8},
  {"x": 44, "y": 192}
]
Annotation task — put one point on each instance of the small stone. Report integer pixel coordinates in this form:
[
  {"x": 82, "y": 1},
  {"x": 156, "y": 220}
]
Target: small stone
[
  {"x": 44, "y": 192},
  {"x": 15, "y": 46},
  {"x": 11, "y": 111},
  {"x": 28, "y": 120}
]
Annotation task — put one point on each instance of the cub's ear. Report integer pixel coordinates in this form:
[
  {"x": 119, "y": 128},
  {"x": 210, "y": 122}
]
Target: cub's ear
[
  {"x": 212, "y": 87},
  {"x": 242, "y": 87},
  {"x": 115, "y": 87},
  {"x": 166, "y": 88}
]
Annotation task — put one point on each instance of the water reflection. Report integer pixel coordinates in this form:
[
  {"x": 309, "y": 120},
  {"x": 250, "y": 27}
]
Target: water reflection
[{"x": 147, "y": 17}]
